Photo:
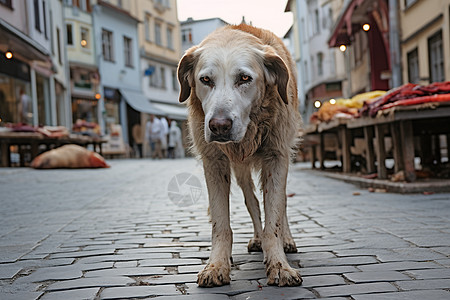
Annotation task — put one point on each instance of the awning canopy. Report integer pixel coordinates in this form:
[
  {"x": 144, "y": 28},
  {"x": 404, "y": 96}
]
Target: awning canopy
[
  {"x": 173, "y": 111},
  {"x": 19, "y": 42},
  {"x": 138, "y": 101},
  {"x": 344, "y": 26}
]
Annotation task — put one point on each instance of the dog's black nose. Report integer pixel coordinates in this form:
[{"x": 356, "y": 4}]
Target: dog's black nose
[{"x": 220, "y": 126}]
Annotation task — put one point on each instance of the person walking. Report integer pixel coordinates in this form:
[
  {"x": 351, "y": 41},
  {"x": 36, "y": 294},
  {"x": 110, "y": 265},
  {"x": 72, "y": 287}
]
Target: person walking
[
  {"x": 137, "y": 137},
  {"x": 154, "y": 128},
  {"x": 176, "y": 149}
]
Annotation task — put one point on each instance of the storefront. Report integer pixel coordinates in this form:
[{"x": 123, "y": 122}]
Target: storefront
[{"x": 15, "y": 91}]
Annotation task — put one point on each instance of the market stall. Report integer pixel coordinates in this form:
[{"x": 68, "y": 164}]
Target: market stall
[
  {"x": 26, "y": 142},
  {"x": 414, "y": 119}
]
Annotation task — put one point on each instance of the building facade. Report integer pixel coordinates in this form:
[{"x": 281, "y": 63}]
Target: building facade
[
  {"x": 320, "y": 69},
  {"x": 117, "y": 56},
  {"x": 81, "y": 56},
  {"x": 33, "y": 81},
  {"x": 194, "y": 31},
  {"x": 425, "y": 40}
]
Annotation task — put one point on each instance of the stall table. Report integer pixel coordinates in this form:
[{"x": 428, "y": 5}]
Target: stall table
[{"x": 29, "y": 142}]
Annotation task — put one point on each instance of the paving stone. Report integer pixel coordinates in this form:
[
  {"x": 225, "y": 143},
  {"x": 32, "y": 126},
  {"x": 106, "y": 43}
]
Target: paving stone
[
  {"x": 283, "y": 293},
  {"x": 340, "y": 261},
  {"x": 355, "y": 289},
  {"x": 327, "y": 270},
  {"x": 80, "y": 294},
  {"x": 8, "y": 271},
  {"x": 83, "y": 253},
  {"x": 384, "y": 276},
  {"x": 323, "y": 280},
  {"x": 248, "y": 275},
  {"x": 138, "y": 271},
  {"x": 196, "y": 297},
  {"x": 169, "y": 262},
  {"x": 398, "y": 266},
  {"x": 429, "y": 274},
  {"x": 170, "y": 279},
  {"x": 234, "y": 288},
  {"x": 90, "y": 282},
  {"x": 429, "y": 284},
  {"x": 21, "y": 295},
  {"x": 414, "y": 295},
  {"x": 139, "y": 292},
  {"x": 190, "y": 269}
]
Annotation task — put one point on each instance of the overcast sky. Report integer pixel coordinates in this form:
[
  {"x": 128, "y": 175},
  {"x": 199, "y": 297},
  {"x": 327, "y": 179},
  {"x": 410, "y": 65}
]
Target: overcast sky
[{"x": 268, "y": 14}]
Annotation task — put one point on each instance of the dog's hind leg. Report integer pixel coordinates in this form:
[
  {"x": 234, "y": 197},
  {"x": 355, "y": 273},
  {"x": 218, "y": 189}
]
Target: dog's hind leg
[
  {"x": 288, "y": 242},
  {"x": 244, "y": 180},
  {"x": 217, "y": 174}
]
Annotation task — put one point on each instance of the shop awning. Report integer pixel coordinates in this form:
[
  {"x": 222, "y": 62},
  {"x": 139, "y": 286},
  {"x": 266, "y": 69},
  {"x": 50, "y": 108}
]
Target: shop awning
[
  {"x": 17, "y": 41},
  {"x": 343, "y": 28},
  {"x": 173, "y": 111},
  {"x": 138, "y": 101}
]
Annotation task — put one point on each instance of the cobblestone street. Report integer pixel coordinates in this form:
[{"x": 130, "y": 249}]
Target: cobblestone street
[{"x": 115, "y": 234}]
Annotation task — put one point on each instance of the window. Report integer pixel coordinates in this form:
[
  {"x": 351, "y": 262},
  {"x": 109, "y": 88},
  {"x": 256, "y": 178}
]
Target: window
[
  {"x": 158, "y": 77},
  {"x": 69, "y": 34},
  {"x": 153, "y": 79},
  {"x": 408, "y": 3},
  {"x": 186, "y": 36},
  {"x": 147, "y": 27},
  {"x": 175, "y": 85},
  {"x": 320, "y": 63},
  {"x": 107, "y": 45},
  {"x": 316, "y": 22},
  {"x": 436, "y": 58},
  {"x": 44, "y": 8},
  {"x": 413, "y": 66},
  {"x": 37, "y": 20},
  {"x": 158, "y": 40},
  {"x": 306, "y": 71},
  {"x": 169, "y": 38},
  {"x": 128, "y": 51},
  {"x": 7, "y": 3},
  {"x": 163, "y": 78},
  {"x": 84, "y": 33},
  {"x": 58, "y": 41}
]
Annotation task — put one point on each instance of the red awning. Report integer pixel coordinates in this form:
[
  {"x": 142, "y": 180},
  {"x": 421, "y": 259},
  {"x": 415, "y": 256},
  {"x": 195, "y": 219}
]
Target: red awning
[{"x": 343, "y": 27}]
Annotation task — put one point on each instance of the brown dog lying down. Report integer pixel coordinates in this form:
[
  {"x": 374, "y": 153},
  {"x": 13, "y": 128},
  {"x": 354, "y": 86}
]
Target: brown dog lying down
[{"x": 69, "y": 156}]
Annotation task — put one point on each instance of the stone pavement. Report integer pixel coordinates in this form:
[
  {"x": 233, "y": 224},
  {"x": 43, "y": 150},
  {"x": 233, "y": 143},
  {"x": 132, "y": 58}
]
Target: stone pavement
[{"x": 115, "y": 234}]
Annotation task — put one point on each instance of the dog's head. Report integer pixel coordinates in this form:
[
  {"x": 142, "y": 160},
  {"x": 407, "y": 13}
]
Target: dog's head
[{"x": 229, "y": 73}]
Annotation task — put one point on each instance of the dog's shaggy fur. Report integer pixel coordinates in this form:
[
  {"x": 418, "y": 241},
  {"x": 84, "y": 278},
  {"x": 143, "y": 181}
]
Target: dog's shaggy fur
[{"x": 262, "y": 107}]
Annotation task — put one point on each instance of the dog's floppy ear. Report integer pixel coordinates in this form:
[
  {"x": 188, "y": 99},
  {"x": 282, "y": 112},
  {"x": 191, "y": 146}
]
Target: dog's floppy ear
[
  {"x": 185, "y": 72},
  {"x": 277, "y": 72}
]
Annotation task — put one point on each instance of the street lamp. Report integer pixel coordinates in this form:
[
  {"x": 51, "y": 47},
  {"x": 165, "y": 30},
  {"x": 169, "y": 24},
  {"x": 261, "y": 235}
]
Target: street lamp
[
  {"x": 317, "y": 104},
  {"x": 342, "y": 48},
  {"x": 9, "y": 54},
  {"x": 366, "y": 27},
  {"x": 332, "y": 101}
]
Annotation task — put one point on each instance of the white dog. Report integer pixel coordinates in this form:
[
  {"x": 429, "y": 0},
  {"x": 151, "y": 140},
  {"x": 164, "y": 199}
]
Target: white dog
[{"x": 240, "y": 85}]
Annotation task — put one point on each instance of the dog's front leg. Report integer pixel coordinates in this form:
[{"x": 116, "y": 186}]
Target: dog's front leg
[
  {"x": 217, "y": 271},
  {"x": 274, "y": 176}
]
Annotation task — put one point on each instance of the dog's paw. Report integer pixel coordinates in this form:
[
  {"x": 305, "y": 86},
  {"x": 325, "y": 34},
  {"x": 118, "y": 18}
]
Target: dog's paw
[
  {"x": 289, "y": 246},
  {"x": 254, "y": 245},
  {"x": 280, "y": 275},
  {"x": 214, "y": 274}
]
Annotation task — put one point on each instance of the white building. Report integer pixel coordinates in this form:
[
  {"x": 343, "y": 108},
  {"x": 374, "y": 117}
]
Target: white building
[
  {"x": 320, "y": 68},
  {"x": 194, "y": 31},
  {"x": 116, "y": 43}
]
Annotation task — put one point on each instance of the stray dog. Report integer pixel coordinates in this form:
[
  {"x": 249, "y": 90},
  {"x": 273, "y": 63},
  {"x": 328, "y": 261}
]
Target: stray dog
[{"x": 240, "y": 85}]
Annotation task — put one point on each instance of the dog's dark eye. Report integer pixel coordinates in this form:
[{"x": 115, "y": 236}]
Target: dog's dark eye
[
  {"x": 206, "y": 81},
  {"x": 244, "y": 79}
]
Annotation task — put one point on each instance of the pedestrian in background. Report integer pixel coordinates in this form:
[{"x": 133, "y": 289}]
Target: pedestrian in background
[
  {"x": 137, "y": 137},
  {"x": 153, "y": 131},
  {"x": 164, "y": 136},
  {"x": 176, "y": 149}
]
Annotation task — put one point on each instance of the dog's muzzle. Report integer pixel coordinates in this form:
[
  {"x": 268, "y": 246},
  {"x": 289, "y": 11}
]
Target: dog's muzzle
[{"x": 220, "y": 129}]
